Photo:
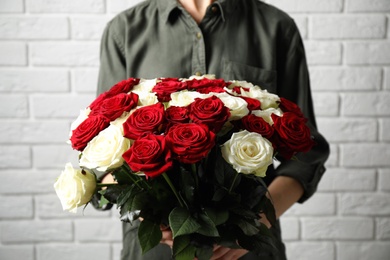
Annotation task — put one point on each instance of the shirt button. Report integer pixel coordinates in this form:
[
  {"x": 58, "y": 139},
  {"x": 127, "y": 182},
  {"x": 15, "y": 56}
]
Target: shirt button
[
  {"x": 199, "y": 35},
  {"x": 214, "y": 9},
  {"x": 198, "y": 73}
]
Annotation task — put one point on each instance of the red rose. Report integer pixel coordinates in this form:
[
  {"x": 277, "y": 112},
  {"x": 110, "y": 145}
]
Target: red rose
[
  {"x": 87, "y": 130},
  {"x": 191, "y": 142},
  {"x": 253, "y": 104},
  {"x": 177, "y": 114},
  {"x": 258, "y": 125},
  {"x": 205, "y": 84},
  {"x": 209, "y": 111},
  {"x": 147, "y": 119},
  {"x": 237, "y": 89},
  {"x": 123, "y": 86},
  {"x": 288, "y": 106},
  {"x": 113, "y": 107},
  {"x": 97, "y": 102},
  {"x": 149, "y": 154},
  {"x": 214, "y": 89},
  {"x": 165, "y": 88},
  {"x": 292, "y": 134}
]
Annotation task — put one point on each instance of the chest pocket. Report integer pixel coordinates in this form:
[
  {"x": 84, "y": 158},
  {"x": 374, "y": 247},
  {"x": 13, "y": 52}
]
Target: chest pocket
[{"x": 266, "y": 79}]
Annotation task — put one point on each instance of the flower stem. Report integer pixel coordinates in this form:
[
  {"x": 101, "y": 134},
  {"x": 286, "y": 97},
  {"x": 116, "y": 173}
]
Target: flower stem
[
  {"x": 172, "y": 188},
  {"x": 195, "y": 175},
  {"x": 234, "y": 180}
]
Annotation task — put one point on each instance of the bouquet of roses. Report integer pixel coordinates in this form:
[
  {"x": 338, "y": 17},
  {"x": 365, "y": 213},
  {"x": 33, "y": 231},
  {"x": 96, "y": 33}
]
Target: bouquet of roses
[{"x": 189, "y": 154}]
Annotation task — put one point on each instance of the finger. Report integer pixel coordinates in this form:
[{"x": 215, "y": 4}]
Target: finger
[{"x": 220, "y": 252}]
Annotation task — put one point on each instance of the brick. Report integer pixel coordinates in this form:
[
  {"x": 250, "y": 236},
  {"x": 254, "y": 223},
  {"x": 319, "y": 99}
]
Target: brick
[
  {"x": 15, "y": 156},
  {"x": 344, "y": 179},
  {"x": 65, "y": 6},
  {"x": 339, "y": 79},
  {"x": 87, "y": 28},
  {"x": 98, "y": 230},
  {"x": 348, "y": 27},
  {"x": 59, "y": 106},
  {"x": 356, "y": 228},
  {"x": 65, "y": 54},
  {"x": 383, "y": 228},
  {"x": 348, "y": 129},
  {"x": 384, "y": 129},
  {"x": 358, "y": 53},
  {"x": 365, "y": 155},
  {"x": 73, "y": 251},
  {"x": 53, "y": 156},
  {"x": 33, "y": 27},
  {"x": 333, "y": 159},
  {"x": 301, "y": 22},
  {"x": 369, "y": 204},
  {"x": 28, "y": 182},
  {"x": 116, "y": 6},
  {"x": 36, "y": 231},
  {"x": 16, "y": 207},
  {"x": 13, "y": 54},
  {"x": 48, "y": 206},
  {"x": 326, "y": 104},
  {"x": 116, "y": 250},
  {"x": 366, "y": 104},
  {"x": 387, "y": 77},
  {"x": 312, "y": 6},
  {"x": 13, "y": 106},
  {"x": 363, "y": 250},
  {"x": 18, "y": 132},
  {"x": 367, "y": 6},
  {"x": 11, "y": 6},
  {"x": 34, "y": 80},
  {"x": 310, "y": 250},
  {"x": 9, "y": 252},
  {"x": 384, "y": 179},
  {"x": 85, "y": 80},
  {"x": 323, "y": 53},
  {"x": 290, "y": 227},
  {"x": 312, "y": 207}
]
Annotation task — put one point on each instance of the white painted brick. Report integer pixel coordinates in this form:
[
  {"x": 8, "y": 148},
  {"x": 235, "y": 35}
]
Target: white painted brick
[
  {"x": 383, "y": 228},
  {"x": 12, "y": 252},
  {"x": 49, "y": 206},
  {"x": 85, "y": 80},
  {"x": 116, "y": 250},
  {"x": 348, "y": 129},
  {"x": 290, "y": 227},
  {"x": 348, "y": 27},
  {"x": 36, "y": 231},
  {"x": 16, "y": 207},
  {"x": 337, "y": 228},
  {"x": 363, "y": 250},
  {"x": 74, "y": 252},
  {"x": 384, "y": 179},
  {"x": 339, "y": 78},
  {"x": 341, "y": 179},
  {"x": 54, "y": 156},
  {"x": 11, "y": 6},
  {"x": 19, "y": 27},
  {"x": 333, "y": 159},
  {"x": 34, "y": 80},
  {"x": 65, "y": 54},
  {"x": 365, "y": 155},
  {"x": 56, "y": 106},
  {"x": 116, "y": 6},
  {"x": 387, "y": 75},
  {"x": 28, "y": 182},
  {"x": 65, "y": 6},
  {"x": 367, "y": 6},
  {"x": 367, "y": 53},
  {"x": 312, "y": 208},
  {"x": 13, "y": 54},
  {"x": 98, "y": 230},
  {"x": 326, "y": 104},
  {"x": 308, "y": 5},
  {"x": 323, "y": 53},
  {"x": 310, "y": 250},
  {"x": 18, "y": 132},
  {"x": 301, "y": 22},
  {"x": 366, "y": 104},
  {"x": 87, "y": 28},
  {"x": 369, "y": 204},
  {"x": 12, "y": 156},
  {"x": 13, "y": 106},
  {"x": 384, "y": 129}
]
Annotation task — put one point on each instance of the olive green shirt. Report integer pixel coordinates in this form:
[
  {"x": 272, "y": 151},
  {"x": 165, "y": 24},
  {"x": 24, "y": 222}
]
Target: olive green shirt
[{"x": 237, "y": 39}]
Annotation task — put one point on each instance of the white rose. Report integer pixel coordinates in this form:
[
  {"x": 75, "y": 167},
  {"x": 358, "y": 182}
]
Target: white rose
[
  {"x": 207, "y": 76},
  {"x": 240, "y": 83},
  {"x": 238, "y": 106},
  {"x": 75, "y": 187},
  {"x": 185, "y": 97},
  {"x": 104, "y": 152},
  {"x": 81, "y": 118},
  {"x": 145, "y": 85},
  {"x": 268, "y": 100},
  {"x": 266, "y": 114},
  {"x": 248, "y": 153},
  {"x": 146, "y": 98}
]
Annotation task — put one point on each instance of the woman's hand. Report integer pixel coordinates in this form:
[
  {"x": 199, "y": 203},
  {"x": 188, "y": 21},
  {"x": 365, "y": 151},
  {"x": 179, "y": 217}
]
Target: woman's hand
[
  {"x": 225, "y": 253},
  {"x": 166, "y": 236}
]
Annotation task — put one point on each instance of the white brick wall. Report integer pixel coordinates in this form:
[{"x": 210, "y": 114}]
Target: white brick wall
[{"x": 48, "y": 70}]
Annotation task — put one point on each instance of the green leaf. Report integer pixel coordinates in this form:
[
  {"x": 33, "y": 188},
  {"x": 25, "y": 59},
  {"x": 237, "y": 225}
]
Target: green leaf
[
  {"x": 219, "y": 194},
  {"x": 208, "y": 227},
  {"x": 218, "y": 216},
  {"x": 149, "y": 235},
  {"x": 183, "y": 249},
  {"x": 269, "y": 211},
  {"x": 204, "y": 253},
  {"x": 112, "y": 192},
  {"x": 103, "y": 201},
  {"x": 182, "y": 223},
  {"x": 124, "y": 195},
  {"x": 249, "y": 228}
]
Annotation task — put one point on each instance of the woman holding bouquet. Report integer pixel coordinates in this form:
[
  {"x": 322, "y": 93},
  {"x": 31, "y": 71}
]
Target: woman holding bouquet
[{"x": 233, "y": 39}]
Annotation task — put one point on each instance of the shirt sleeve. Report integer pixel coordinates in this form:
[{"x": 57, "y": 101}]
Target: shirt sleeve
[{"x": 294, "y": 84}]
